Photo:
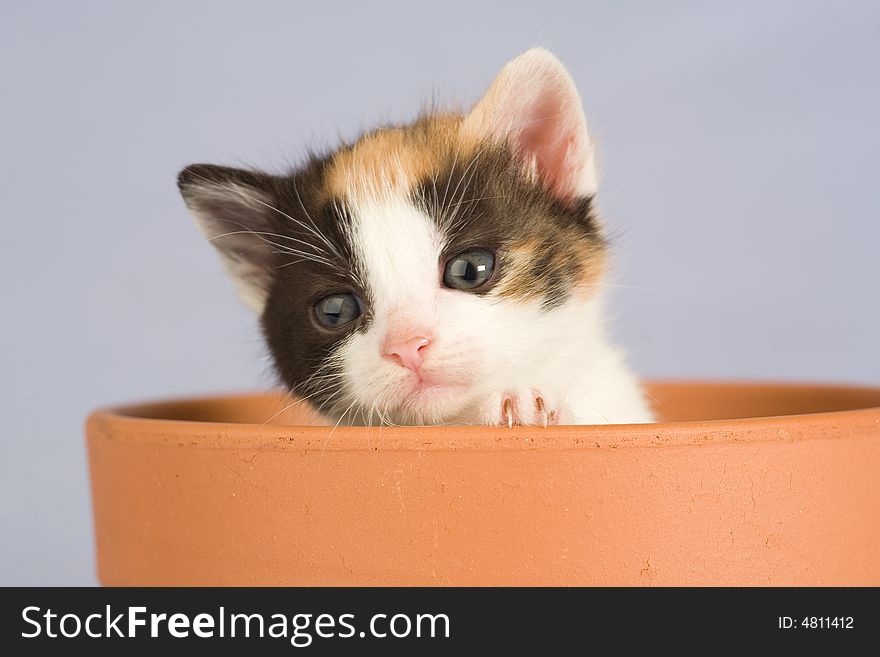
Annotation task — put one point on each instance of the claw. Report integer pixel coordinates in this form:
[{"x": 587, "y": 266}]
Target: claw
[
  {"x": 539, "y": 406},
  {"x": 507, "y": 412}
]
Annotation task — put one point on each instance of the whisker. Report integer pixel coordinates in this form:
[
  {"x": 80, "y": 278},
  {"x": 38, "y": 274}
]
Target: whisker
[
  {"x": 336, "y": 426},
  {"x": 315, "y": 229},
  {"x": 474, "y": 200},
  {"x": 281, "y": 247}
]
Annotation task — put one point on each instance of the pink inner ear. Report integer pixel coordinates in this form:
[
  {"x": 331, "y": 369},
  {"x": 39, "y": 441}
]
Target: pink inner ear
[
  {"x": 550, "y": 136},
  {"x": 534, "y": 106}
]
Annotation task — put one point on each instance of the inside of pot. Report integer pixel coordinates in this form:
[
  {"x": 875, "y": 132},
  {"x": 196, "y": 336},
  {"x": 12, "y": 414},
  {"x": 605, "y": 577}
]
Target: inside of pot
[{"x": 673, "y": 402}]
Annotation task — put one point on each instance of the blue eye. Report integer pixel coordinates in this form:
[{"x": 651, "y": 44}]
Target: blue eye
[
  {"x": 469, "y": 270},
  {"x": 337, "y": 310}
]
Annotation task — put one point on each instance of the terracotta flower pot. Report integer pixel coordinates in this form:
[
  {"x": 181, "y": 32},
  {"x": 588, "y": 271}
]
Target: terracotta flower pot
[{"x": 741, "y": 484}]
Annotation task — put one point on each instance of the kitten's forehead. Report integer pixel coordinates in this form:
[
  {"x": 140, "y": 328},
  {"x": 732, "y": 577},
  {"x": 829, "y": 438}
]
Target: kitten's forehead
[
  {"x": 395, "y": 160},
  {"x": 397, "y": 247}
]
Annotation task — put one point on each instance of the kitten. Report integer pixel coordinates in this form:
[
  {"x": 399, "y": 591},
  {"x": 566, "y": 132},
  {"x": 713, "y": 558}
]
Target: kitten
[{"x": 447, "y": 271}]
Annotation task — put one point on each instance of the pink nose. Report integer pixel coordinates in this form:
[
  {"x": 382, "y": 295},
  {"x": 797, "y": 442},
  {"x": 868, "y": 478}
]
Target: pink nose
[{"x": 408, "y": 353}]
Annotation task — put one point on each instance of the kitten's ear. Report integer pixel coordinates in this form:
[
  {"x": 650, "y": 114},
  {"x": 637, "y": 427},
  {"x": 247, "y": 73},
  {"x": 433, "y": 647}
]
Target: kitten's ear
[
  {"x": 232, "y": 208},
  {"x": 533, "y": 105}
]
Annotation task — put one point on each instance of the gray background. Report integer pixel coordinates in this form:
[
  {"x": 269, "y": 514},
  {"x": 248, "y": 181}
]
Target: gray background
[{"x": 740, "y": 150}]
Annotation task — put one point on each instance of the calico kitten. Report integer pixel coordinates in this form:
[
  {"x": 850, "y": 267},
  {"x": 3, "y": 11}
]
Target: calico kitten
[{"x": 447, "y": 271}]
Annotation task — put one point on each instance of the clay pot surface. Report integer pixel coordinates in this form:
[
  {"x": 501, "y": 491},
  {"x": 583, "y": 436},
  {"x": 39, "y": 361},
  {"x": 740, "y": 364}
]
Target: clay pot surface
[{"x": 739, "y": 485}]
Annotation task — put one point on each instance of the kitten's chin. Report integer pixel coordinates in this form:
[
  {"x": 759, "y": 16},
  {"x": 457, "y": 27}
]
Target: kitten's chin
[{"x": 428, "y": 401}]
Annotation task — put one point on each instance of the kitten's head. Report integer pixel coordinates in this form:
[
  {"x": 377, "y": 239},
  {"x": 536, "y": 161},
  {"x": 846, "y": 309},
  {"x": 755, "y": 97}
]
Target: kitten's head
[{"x": 407, "y": 275}]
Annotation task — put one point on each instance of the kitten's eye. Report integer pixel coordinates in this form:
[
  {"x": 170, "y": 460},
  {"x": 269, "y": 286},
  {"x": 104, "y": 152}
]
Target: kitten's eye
[
  {"x": 337, "y": 310},
  {"x": 469, "y": 270}
]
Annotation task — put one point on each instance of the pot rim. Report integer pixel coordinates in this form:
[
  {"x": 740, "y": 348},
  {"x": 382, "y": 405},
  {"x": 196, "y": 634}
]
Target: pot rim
[{"x": 125, "y": 423}]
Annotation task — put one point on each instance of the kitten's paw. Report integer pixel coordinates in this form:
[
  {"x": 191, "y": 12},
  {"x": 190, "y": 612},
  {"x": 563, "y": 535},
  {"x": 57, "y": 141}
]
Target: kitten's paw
[{"x": 523, "y": 407}]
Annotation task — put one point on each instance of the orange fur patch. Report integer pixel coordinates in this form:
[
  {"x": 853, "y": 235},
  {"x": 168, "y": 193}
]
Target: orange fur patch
[
  {"x": 568, "y": 253},
  {"x": 397, "y": 158}
]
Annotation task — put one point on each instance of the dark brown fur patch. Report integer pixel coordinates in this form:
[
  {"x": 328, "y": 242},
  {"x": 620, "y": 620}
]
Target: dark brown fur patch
[{"x": 483, "y": 195}]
